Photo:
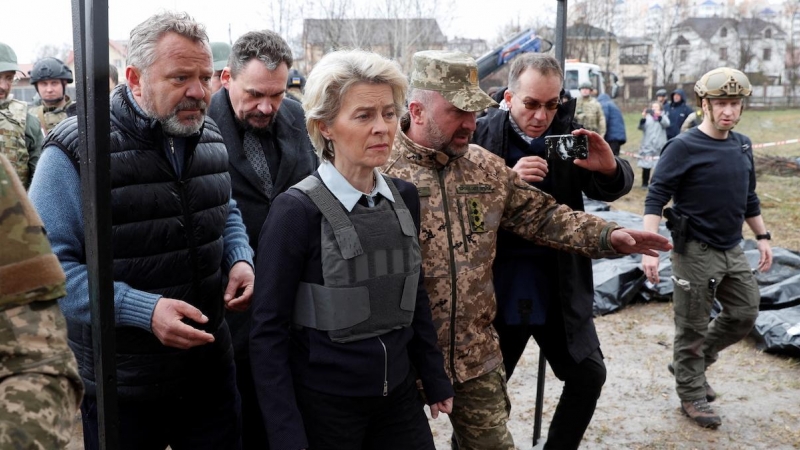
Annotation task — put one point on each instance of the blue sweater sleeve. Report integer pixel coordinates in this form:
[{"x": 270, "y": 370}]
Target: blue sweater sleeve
[
  {"x": 236, "y": 246},
  {"x": 56, "y": 194}
]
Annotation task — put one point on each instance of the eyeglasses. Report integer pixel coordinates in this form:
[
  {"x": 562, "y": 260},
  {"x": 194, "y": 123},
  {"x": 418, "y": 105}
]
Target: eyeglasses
[{"x": 534, "y": 105}]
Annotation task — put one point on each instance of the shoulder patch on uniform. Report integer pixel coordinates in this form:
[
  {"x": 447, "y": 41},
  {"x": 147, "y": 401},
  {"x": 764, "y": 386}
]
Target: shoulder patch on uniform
[
  {"x": 424, "y": 191},
  {"x": 474, "y": 189}
]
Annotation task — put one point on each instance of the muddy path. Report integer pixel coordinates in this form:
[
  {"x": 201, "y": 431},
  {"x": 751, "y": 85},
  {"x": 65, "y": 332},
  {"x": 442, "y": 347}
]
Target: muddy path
[{"x": 759, "y": 393}]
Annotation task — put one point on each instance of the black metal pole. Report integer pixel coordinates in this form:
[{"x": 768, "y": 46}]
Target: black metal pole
[
  {"x": 561, "y": 32},
  {"x": 90, "y": 25},
  {"x": 561, "y": 56},
  {"x": 537, "y": 418}
]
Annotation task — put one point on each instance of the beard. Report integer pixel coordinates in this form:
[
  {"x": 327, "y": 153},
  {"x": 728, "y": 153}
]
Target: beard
[
  {"x": 444, "y": 144},
  {"x": 247, "y": 126},
  {"x": 170, "y": 122}
]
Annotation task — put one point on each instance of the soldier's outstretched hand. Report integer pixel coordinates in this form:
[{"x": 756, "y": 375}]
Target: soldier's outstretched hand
[
  {"x": 601, "y": 158},
  {"x": 628, "y": 240}
]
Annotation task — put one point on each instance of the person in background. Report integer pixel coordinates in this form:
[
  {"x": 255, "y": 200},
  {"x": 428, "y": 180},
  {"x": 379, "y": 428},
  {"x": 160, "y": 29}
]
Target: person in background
[
  {"x": 588, "y": 111},
  {"x": 341, "y": 323},
  {"x": 40, "y": 388},
  {"x": 113, "y": 77},
  {"x": 615, "y": 124},
  {"x": 467, "y": 196},
  {"x": 709, "y": 174},
  {"x": 295, "y": 85},
  {"x": 654, "y": 124},
  {"x": 542, "y": 292},
  {"x": 661, "y": 97},
  {"x": 220, "y": 52},
  {"x": 50, "y": 77},
  {"x": 692, "y": 120},
  {"x": 179, "y": 246},
  {"x": 677, "y": 111},
  {"x": 21, "y": 130},
  {"x": 268, "y": 152}
]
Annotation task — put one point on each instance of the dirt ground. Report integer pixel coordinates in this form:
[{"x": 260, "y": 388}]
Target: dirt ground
[{"x": 759, "y": 393}]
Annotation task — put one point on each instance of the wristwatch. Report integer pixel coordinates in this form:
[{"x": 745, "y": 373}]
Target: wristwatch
[{"x": 766, "y": 236}]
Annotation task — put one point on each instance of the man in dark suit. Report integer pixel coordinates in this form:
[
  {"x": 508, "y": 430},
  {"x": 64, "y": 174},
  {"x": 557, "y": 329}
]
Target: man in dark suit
[{"x": 268, "y": 152}]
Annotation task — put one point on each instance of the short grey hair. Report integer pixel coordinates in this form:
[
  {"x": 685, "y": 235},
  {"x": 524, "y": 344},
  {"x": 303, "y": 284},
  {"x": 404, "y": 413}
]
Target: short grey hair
[
  {"x": 332, "y": 78},
  {"x": 266, "y": 46},
  {"x": 145, "y": 36},
  {"x": 545, "y": 64},
  {"x": 423, "y": 96}
]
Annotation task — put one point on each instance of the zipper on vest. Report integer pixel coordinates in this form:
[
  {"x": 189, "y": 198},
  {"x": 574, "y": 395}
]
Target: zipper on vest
[
  {"x": 445, "y": 206},
  {"x": 385, "y": 368},
  {"x": 463, "y": 225},
  {"x": 171, "y": 146}
]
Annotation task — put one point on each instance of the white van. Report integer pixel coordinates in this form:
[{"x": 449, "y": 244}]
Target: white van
[{"x": 576, "y": 73}]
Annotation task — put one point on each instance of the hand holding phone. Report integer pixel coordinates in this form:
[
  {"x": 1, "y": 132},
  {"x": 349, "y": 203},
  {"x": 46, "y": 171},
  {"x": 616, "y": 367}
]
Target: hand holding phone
[{"x": 568, "y": 147}]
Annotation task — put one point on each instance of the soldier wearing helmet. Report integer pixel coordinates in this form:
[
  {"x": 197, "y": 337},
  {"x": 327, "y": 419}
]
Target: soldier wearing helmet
[
  {"x": 708, "y": 173},
  {"x": 20, "y": 132},
  {"x": 295, "y": 85},
  {"x": 220, "y": 51},
  {"x": 50, "y": 77},
  {"x": 589, "y": 112}
]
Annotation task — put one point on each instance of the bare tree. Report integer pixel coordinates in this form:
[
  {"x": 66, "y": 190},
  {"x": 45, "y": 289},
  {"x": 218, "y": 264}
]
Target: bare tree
[
  {"x": 53, "y": 51},
  {"x": 663, "y": 28},
  {"x": 590, "y": 36},
  {"x": 792, "y": 10}
]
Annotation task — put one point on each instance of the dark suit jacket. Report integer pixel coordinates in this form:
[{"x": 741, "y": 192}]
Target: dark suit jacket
[
  {"x": 575, "y": 286},
  {"x": 298, "y": 160}
]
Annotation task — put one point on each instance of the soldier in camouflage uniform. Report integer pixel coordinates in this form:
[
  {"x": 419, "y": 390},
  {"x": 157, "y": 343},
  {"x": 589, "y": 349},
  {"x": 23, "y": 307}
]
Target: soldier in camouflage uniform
[
  {"x": 466, "y": 195},
  {"x": 50, "y": 77},
  {"x": 20, "y": 132},
  {"x": 39, "y": 384},
  {"x": 589, "y": 112}
]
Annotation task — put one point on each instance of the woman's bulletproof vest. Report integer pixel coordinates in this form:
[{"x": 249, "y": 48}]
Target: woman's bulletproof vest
[{"x": 370, "y": 266}]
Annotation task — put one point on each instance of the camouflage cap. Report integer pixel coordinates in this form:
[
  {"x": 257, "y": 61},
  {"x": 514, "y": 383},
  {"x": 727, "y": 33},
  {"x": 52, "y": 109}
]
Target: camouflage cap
[
  {"x": 220, "y": 51},
  {"x": 452, "y": 74},
  {"x": 8, "y": 59}
]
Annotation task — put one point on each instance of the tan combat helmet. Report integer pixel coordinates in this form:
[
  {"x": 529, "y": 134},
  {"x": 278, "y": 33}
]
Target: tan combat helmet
[{"x": 723, "y": 82}]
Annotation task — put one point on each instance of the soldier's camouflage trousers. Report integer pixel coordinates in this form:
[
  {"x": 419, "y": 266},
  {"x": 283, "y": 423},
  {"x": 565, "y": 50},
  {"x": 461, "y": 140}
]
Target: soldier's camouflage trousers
[
  {"x": 39, "y": 384},
  {"x": 700, "y": 274},
  {"x": 480, "y": 413}
]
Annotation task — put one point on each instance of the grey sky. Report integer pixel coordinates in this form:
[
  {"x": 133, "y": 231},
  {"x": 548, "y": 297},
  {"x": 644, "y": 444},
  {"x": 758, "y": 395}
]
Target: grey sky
[{"x": 30, "y": 25}]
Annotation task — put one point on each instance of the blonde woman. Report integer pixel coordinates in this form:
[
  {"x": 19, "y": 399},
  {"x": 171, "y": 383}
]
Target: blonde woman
[{"x": 341, "y": 322}]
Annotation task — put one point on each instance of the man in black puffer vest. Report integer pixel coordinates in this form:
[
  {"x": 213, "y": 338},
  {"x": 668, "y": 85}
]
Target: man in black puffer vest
[
  {"x": 252, "y": 108},
  {"x": 176, "y": 233}
]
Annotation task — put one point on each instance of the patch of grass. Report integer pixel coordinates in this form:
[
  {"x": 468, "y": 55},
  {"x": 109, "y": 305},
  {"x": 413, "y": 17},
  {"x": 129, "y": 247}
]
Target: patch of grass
[{"x": 780, "y": 196}]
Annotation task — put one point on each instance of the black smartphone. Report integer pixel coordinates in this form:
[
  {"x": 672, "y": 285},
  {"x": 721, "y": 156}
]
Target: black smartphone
[
  {"x": 649, "y": 111},
  {"x": 567, "y": 146}
]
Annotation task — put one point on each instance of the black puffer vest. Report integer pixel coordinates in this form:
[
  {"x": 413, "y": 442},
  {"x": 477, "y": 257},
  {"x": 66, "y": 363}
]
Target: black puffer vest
[{"x": 167, "y": 237}]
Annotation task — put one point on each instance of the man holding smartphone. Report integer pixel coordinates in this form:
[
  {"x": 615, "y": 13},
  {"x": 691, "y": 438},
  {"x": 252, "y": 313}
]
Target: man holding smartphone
[{"x": 542, "y": 292}]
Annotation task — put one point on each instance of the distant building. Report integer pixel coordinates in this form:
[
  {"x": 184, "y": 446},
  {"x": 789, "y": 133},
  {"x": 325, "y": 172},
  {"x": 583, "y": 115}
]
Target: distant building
[
  {"x": 755, "y": 46},
  {"x": 474, "y": 47},
  {"x": 397, "y": 39}
]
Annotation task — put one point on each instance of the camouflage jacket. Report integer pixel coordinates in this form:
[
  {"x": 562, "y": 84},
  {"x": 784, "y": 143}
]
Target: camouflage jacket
[
  {"x": 39, "y": 384},
  {"x": 20, "y": 138},
  {"x": 49, "y": 117},
  {"x": 464, "y": 200},
  {"x": 589, "y": 113}
]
